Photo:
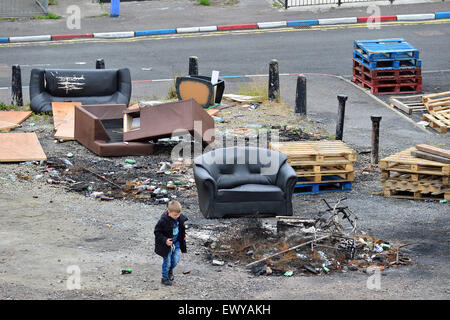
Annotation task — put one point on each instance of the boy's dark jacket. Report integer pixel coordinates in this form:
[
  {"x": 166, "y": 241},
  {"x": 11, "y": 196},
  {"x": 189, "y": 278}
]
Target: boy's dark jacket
[{"x": 164, "y": 230}]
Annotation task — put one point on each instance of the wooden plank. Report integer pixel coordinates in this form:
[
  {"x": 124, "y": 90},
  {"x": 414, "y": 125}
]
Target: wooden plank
[
  {"x": 66, "y": 130},
  {"x": 389, "y": 193},
  {"x": 433, "y": 150},
  {"x": 6, "y": 126},
  {"x": 60, "y": 110},
  {"x": 20, "y": 146},
  {"x": 16, "y": 117},
  {"x": 212, "y": 112},
  {"x": 428, "y": 156},
  {"x": 427, "y": 97}
]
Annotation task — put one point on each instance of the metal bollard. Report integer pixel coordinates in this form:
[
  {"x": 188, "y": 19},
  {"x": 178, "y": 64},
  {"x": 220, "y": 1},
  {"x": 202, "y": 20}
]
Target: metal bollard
[
  {"x": 375, "y": 139},
  {"x": 100, "y": 64},
  {"x": 341, "y": 113},
  {"x": 274, "y": 81},
  {"x": 16, "y": 86},
  {"x": 300, "y": 97},
  {"x": 115, "y": 8},
  {"x": 193, "y": 66}
]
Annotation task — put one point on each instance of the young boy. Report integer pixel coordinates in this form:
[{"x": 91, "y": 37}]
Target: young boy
[{"x": 170, "y": 238}]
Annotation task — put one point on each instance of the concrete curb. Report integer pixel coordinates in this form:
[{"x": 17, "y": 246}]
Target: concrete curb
[{"x": 259, "y": 25}]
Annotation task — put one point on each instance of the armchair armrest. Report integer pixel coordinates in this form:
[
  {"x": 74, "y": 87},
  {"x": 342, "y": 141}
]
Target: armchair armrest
[
  {"x": 206, "y": 189},
  {"x": 124, "y": 86},
  {"x": 286, "y": 178}
]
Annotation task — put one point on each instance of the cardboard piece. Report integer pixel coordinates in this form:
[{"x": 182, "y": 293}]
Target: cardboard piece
[
  {"x": 12, "y": 119},
  {"x": 20, "y": 146}
]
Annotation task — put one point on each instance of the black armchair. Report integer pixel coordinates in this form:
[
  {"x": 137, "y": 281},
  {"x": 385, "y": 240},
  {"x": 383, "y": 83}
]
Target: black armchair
[
  {"x": 98, "y": 86},
  {"x": 242, "y": 181}
]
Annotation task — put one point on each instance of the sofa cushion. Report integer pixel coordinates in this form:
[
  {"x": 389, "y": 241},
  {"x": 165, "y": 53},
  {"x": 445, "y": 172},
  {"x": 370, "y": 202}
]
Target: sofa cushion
[
  {"x": 251, "y": 192},
  {"x": 228, "y": 181},
  {"x": 81, "y": 83}
]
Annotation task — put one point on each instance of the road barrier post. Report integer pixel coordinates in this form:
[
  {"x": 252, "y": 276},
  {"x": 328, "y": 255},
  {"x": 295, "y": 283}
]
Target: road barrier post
[
  {"x": 300, "y": 97},
  {"x": 16, "y": 86},
  {"x": 100, "y": 64},
  {"x": 274, "y": 81},
  {"x": 341, "y": 113},
  {"x": 193, "y": 66},
  {"x": 375, "y": 139}
]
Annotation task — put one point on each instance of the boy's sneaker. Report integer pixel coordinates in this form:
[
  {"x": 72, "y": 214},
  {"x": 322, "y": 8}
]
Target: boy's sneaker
[
  {"x": 171, "y": 277},
  {"x": 166, "y": 281}
]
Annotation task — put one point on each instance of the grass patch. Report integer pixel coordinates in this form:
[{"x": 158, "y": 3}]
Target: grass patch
[
  {"x": 49, "y": 16},
  {"x": 205, "y": 2},
  {"x": 4, "y": 107},
  {"x": 255, "y": 88},
  {"x": 277, "y": 4},
  {"x": 52, "y": 2}
]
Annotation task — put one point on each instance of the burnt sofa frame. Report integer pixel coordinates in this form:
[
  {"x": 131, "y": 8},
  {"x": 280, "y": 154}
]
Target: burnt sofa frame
[{"x": 100, "y": 129}]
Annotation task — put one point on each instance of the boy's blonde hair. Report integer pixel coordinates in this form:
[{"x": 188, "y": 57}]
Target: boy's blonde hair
[{"x": 174, "y": 206}]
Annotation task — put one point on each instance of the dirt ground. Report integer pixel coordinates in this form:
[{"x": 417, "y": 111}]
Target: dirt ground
[{"x": 48, "y": 228}]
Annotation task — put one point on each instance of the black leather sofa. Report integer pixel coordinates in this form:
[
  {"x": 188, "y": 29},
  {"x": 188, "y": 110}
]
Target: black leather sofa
[
  {"x": 92, "y": 86},
  {"x": 242, "y": 181}
]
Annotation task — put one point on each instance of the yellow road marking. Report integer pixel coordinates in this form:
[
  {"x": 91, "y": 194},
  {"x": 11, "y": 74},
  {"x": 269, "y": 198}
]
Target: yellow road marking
[{"x": 224, "y": 33}]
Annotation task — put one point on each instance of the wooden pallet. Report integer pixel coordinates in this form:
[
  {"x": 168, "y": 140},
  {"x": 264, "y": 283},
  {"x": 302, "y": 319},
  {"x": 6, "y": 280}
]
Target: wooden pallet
[
  {"x": 429, "y": 185},
  {"x": 408, "y": 104},
  {"x": 440, "y": 122},
  {"x": 437, "y": 101},
  {"x": 389, "y": 193},
  {"x": 413, "y": 177},
  {"x": 318, "y": 173},
  {"x": 310, "y": 153},
  {"x": 405, "y": 162}
]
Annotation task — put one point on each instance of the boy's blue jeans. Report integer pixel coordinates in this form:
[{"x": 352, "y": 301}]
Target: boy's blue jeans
[{"x": 171, "y": 260}]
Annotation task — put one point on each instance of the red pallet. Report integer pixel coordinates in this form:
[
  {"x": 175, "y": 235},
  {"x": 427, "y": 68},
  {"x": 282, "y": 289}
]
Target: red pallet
[
  {"x": 389, "y": 89},
  {"x": 386, "y": 73},
  {"x": 388, "y": 81}
]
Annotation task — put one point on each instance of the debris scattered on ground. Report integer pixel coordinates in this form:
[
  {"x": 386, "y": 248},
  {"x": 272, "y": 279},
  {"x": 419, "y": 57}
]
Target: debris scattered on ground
[{"x": 331, "y": 242}]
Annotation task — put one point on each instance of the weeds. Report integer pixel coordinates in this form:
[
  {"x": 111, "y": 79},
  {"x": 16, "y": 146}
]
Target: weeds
[
  {"x": 255, "y": 88},
  {"x": 205, "y": 2}
]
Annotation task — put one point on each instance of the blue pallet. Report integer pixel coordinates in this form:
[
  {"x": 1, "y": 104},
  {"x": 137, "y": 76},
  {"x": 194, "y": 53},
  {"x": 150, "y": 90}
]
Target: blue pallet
[
  {"x": 316, "y": 188},
  {"x": 392, "y": 49},
  {"x": 394, "y": 64}
]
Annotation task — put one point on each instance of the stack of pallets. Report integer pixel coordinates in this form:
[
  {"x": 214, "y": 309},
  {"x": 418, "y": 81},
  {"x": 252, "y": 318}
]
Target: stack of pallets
[
  {"x": 321, "y": 166},
  {"x": 438, "y": 106},
  {"x": 406, "y": 176},
  {"x": 388, "y": 66}
]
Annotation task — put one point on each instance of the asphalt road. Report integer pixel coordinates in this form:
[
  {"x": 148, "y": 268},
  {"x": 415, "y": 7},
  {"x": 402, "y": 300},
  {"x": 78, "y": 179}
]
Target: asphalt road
[{"x": 317, "y": 49}]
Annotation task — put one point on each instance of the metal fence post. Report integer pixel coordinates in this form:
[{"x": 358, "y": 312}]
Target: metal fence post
[
  {"x": 341, "y": 113},
  {"x": 375, "y": 139},
  {"x": 274, "y": 81},
  {"x": 300, "y": 97},
  {"x": 16, "y": 86},
  {"x": 115, "y": 8}
]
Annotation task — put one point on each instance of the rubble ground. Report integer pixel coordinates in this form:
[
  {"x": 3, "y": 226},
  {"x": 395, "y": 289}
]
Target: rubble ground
[{"x": 50, "y": 223}]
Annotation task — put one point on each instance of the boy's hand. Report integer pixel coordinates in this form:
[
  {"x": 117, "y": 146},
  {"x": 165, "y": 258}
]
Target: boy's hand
[
  {"x": 185, "y": 237},
  {"x": 169, "y": 242}
]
